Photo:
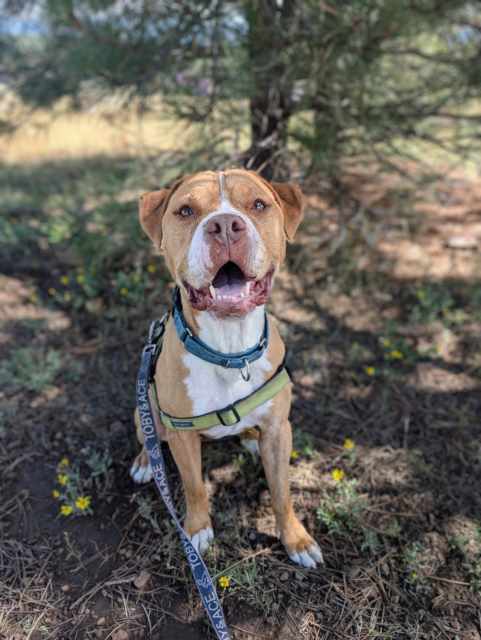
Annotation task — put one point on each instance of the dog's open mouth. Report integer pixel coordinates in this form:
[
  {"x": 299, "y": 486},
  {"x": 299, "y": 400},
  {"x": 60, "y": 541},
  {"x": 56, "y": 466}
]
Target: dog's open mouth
[{"x": 231, "y": 292}]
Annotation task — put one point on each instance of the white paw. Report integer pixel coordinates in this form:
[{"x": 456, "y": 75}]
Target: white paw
[
  {"x": 252, "y": 446},
  {"x": 202, "y": 539},
  {"x": 140, "y": 473},
  {"x": 309, "y": 558}
]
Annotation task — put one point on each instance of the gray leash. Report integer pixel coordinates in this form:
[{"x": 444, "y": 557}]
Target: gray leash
[{"x": 200, "y": 573}]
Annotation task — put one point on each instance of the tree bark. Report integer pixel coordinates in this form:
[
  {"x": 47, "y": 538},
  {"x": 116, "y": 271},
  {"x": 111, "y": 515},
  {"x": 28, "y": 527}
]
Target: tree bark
[{"x": 271, "y": 90}]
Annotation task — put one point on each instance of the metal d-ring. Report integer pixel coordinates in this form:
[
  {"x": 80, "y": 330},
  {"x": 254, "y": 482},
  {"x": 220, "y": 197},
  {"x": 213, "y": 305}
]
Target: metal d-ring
[{"x": 246, "y": 371}]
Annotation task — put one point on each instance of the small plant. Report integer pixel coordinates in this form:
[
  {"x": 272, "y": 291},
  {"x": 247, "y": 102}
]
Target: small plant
[
  {"x": 146, "y": 511},
  {"x": 243, "y": 575},
  {"x": 98, "y": 463},
  {"x": 80, "y": 288},
  {"x": 71, "y": 490},
  {"x": 412, "y": 560},
  {"x": 349, "y": 450},
  {"x": 341, "y": 512},
  {"x": 435, "y": 303},
  {"x": 74, "y": 487},
  {"x": 303, "y": 444},
  {"x": 224, "y": 582},
  {"x": 471, "y": 558},
  {"x": 31, "y": 368}
]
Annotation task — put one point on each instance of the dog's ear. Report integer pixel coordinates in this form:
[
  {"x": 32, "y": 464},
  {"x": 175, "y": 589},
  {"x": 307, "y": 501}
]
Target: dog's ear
[
  {"x": 152, "y": 206},
  {"x": 292, "y": 200}
]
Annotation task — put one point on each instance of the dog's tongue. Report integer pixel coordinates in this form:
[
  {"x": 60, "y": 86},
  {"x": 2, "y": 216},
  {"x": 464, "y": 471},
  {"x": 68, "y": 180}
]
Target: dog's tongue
[
  {"x": 229, "y": 283},
  {"x": 231, "y": 293}
]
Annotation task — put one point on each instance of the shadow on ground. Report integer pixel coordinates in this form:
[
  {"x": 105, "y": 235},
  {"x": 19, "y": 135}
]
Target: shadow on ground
[{"x": 402, "y": 540}]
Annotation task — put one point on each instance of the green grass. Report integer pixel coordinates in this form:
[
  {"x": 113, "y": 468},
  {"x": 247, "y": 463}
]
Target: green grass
[{"x": 31, "y": 368}]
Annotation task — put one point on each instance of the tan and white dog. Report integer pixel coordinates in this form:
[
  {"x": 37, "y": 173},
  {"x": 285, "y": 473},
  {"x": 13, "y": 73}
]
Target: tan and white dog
[{"x": 223, "y": 236}]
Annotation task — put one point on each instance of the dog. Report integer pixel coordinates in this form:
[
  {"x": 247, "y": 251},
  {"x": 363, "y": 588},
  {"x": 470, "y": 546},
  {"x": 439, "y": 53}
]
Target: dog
[{"x": 223, "y": 236}]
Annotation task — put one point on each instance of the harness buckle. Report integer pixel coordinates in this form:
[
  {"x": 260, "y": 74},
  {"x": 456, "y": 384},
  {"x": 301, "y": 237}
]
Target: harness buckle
[{"x": 234, "y": 411}]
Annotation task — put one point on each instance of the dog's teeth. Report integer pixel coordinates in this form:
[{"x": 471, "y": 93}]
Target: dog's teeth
[{"x": 212, "y": 291}]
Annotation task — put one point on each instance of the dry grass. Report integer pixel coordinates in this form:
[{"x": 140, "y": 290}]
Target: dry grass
[{"x": 59, "y": 134}]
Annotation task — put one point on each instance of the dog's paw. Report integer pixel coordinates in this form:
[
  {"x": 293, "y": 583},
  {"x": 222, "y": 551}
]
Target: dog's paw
[
  {"x": 202, "y": 539},
  {"x": 300, "y": 547},
  {"x": 309, "y": 557},
  {"x": 141, "y": 471}
]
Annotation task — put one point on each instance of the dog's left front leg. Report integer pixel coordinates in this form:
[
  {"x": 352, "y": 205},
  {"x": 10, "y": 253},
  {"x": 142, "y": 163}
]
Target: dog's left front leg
[
  {"x": 275, "y": 446},
  {"x": 186, "y": 449}
]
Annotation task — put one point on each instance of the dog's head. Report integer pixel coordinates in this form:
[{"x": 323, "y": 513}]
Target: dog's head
[{"x": 223, "y": 235}]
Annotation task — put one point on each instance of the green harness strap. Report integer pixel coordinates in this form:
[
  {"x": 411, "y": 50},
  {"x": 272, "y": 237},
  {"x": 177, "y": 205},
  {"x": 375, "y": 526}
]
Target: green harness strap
[{"x": 233, "y": 413}]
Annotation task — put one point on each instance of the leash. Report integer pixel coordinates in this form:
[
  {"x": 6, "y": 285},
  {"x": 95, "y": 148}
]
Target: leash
[{"x": 201, "y": 576}]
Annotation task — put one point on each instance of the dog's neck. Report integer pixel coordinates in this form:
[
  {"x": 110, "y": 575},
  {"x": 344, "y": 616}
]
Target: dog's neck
[
  {"x": 227, "y": 335},
  {"x": 231, "y": 335}
]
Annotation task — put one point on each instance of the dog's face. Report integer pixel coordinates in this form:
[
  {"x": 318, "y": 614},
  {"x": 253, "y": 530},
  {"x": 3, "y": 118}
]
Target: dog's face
[{"x": 223, "y": 236}]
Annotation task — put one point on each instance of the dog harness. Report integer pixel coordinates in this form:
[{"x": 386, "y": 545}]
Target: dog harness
[{"x": 232, "y": 413}]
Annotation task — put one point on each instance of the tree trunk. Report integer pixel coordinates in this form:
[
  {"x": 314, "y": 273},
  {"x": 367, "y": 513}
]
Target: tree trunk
[{"x": 271, "y": 91}]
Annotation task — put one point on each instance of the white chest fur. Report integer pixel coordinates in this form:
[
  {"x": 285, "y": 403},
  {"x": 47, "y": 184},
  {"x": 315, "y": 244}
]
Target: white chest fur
[{"x": 211, "y": 387}]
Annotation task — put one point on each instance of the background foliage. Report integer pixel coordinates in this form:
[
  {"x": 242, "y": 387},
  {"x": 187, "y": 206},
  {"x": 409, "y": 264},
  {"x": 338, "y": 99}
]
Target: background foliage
[{"x": 281, "y": 86}]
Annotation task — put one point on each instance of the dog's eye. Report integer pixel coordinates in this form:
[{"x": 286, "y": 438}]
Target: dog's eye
[
  {"x": 185, "y": 211},
  {"x": 259, "y": 205}
]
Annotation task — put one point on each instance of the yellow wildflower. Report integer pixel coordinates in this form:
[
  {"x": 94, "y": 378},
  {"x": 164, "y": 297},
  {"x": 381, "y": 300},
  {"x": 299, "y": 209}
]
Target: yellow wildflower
[
  {"x": 66, "y": 509},
  {"x": 52, "y": 291},
  {"x": 67, "y": 296},
  {"x": 386, "y": 342},
  {"x": 56, "y": 494},
  {"x": 151, "y": 268},
  {"x": 65, "y": 280},
  {"x": 224, "y": 582},
  {"x": 337, "y": 475},
  {"x": 294, "y": 454},
  {"x": 349, "y": 444},
  {"x": 395, "y": 354},
  {"x": 64, "y": 462},
  {"x": 80, "y": 278},
  {"x": 62, "y": 479},
  {"x": 421, "y": 294},
  {"x": 82, "y": 503},
  {"x": 124, "y": 291},
  {"x": 370, "y": 371}
]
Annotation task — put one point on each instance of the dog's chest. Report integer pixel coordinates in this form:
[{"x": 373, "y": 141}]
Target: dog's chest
[{"x": 211, "y": 388}]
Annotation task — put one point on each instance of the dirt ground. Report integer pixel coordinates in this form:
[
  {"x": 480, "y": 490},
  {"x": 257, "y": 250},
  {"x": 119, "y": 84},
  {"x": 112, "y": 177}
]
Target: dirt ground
[{"x": 380, "y": 305}]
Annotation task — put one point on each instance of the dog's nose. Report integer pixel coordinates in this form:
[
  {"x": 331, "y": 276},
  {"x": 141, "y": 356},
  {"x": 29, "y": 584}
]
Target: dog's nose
[{"x": 226, "y": 228}]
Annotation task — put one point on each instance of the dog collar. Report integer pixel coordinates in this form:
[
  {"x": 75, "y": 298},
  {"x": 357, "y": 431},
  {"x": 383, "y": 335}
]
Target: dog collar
[{"x": 198, "y": 348}]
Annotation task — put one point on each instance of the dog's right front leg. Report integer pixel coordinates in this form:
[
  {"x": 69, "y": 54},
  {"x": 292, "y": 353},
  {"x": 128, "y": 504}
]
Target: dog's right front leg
[{"x": 186, "y": 449}]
